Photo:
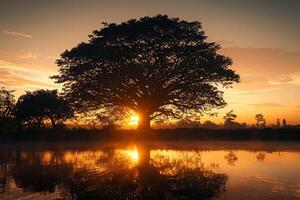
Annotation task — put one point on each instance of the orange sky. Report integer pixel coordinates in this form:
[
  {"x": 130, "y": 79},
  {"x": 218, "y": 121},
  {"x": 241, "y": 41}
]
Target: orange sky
[{"x": 262, "y": 38}]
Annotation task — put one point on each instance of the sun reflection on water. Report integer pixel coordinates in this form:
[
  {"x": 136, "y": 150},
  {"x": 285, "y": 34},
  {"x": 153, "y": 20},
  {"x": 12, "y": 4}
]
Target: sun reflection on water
[{"x": 135, "y": 155}]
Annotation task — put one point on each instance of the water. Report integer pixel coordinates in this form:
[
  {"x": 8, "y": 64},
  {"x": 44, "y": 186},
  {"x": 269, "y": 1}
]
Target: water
[{"x": 169, "y": 170}]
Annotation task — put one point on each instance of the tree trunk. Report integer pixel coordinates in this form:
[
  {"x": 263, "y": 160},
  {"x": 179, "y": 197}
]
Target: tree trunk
[
  {"x": 144, "y": 122},
  {"x": 144, "y": 155},
  {"x": 52, "y": 122},
  {"x": 39, "y": 123}
]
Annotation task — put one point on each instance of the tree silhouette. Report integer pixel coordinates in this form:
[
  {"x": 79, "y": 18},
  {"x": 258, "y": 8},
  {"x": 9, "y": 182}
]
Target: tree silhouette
[
  {"x": 229, "y": 120},
  {"x": 230, "y": 116},
  {"x": 159, "y": 67},
  {"x": 284, "y": 123},
  {"x": 260, "y": 120},
  {"x": 34, "y": 107},
  {"x": 278, "y": 123},
  {"x": 7, "y": 107},
  {"x": 210, "y": 125}
]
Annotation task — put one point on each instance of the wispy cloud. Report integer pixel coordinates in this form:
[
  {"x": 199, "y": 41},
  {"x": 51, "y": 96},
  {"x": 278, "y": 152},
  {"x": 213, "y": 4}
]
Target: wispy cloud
[
  {"x": 253, "y": 91},
  {"x": 18, "y": 34},
  {"x": 258, "y": 105},
  {"x": 26, "y": 55},
  {"x": 264, "y": 68},
  {"x": 14, "y": 76}
]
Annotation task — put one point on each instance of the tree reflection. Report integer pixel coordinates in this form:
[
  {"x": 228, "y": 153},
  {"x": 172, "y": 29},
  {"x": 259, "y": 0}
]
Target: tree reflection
[
  {"x": 116, "y": 184},
  {"x": 114, "y": 178},
  {"x": 35, "y": 177},
  {"x": 261, "y": 156},
  {"x": 31, "y": 174},
  {"x": 152, "y": 183},
  {"x": 231, "y": 158},
  {"x": 3, "y": 182},
  {"x": 183, "y": 183}
]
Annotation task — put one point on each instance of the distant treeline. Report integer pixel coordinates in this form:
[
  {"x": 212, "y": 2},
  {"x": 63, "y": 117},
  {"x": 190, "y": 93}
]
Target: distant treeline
[{"x": 42, "y": 109}]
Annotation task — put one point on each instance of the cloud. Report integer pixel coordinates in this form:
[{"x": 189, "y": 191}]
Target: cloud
[
  {"x": 254, "y": 91},
  {"x": 281, "y": 79},
  {"x": 264, "y": 68},
  {"x": 264, "y": 60},
  {"x": 18, "y": 34},
  {"x": 26, "y": 55},
  {"x": 12, "y": 80},
  {"x": 225, "y": 43},
  {"x": 259, "y": 105},
  {"x": 14, "y": 76}
]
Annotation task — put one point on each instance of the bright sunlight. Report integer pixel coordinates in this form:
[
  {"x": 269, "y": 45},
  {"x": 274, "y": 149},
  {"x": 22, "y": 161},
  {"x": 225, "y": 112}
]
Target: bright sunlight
[{"x": 134, "y": 120}]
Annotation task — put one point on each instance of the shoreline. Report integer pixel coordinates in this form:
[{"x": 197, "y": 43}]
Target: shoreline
[
  {"x": 86, "y": 135},
  {"x": 270, "y": 146}
]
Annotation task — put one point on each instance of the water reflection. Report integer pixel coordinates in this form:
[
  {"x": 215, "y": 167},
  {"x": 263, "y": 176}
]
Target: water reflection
[
  {"x": 135, "y": 172},
  {"x": 261, "y": 156},
  {"x": 108, "y": 174},
  {"x": 231, "y": 158},
  {"x": 162, "y": 179}
]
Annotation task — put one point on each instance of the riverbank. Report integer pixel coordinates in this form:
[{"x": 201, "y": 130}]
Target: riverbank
[{"x": 65, "y": 135}]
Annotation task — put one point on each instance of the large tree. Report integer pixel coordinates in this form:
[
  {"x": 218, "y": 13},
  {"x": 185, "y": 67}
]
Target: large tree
[
  {"x": 156, "y": 66},
  {"x": 33, "y": 108}
]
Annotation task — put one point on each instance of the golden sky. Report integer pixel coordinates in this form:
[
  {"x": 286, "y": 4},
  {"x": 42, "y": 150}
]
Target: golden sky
[{"x": 262, "y": 38}]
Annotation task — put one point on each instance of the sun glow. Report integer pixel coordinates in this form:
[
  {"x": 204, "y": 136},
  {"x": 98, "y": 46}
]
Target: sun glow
[{"x": 134, "y": 120}]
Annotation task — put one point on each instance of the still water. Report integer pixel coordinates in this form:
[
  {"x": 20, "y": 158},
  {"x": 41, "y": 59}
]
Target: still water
[{"x": 169, "y": 170}]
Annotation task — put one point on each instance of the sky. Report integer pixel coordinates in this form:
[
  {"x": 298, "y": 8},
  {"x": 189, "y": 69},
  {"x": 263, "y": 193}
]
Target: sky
[{"x": 261, "y": 36}]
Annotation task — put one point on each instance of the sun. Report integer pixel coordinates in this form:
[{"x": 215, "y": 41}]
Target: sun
[{"x": 134, "y": 119}]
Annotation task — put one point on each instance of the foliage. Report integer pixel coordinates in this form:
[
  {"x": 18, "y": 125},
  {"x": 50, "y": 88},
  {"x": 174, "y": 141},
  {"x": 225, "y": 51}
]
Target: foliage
[
  {"x": 156, "y": 66},
  {"x": 210, "y": 125},
  {"x": 230, "y": 121},
  {"x": 260, "y": 120},
  {"x": 284, "y": 123},
  {"x": 33, "y": 108},
  {"x": 187, "y": 123},
  {"x": 104, "y": 119},
  {"x": 230, "y": 116},
  {"x": 7, "y": 107}
]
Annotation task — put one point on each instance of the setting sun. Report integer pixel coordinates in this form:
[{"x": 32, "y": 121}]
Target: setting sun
[{"x": 134, "y": 119}]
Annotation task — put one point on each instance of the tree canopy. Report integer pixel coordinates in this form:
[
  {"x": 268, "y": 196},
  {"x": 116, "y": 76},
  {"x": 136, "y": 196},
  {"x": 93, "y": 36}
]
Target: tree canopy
[
  {"x": 157, "y": 66},
  {"x": 230, "y": 116},
  {"x": 229, "y": 120},
  {"x": 33, "y": 108},
  {"x": 260, "y": 120}
]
